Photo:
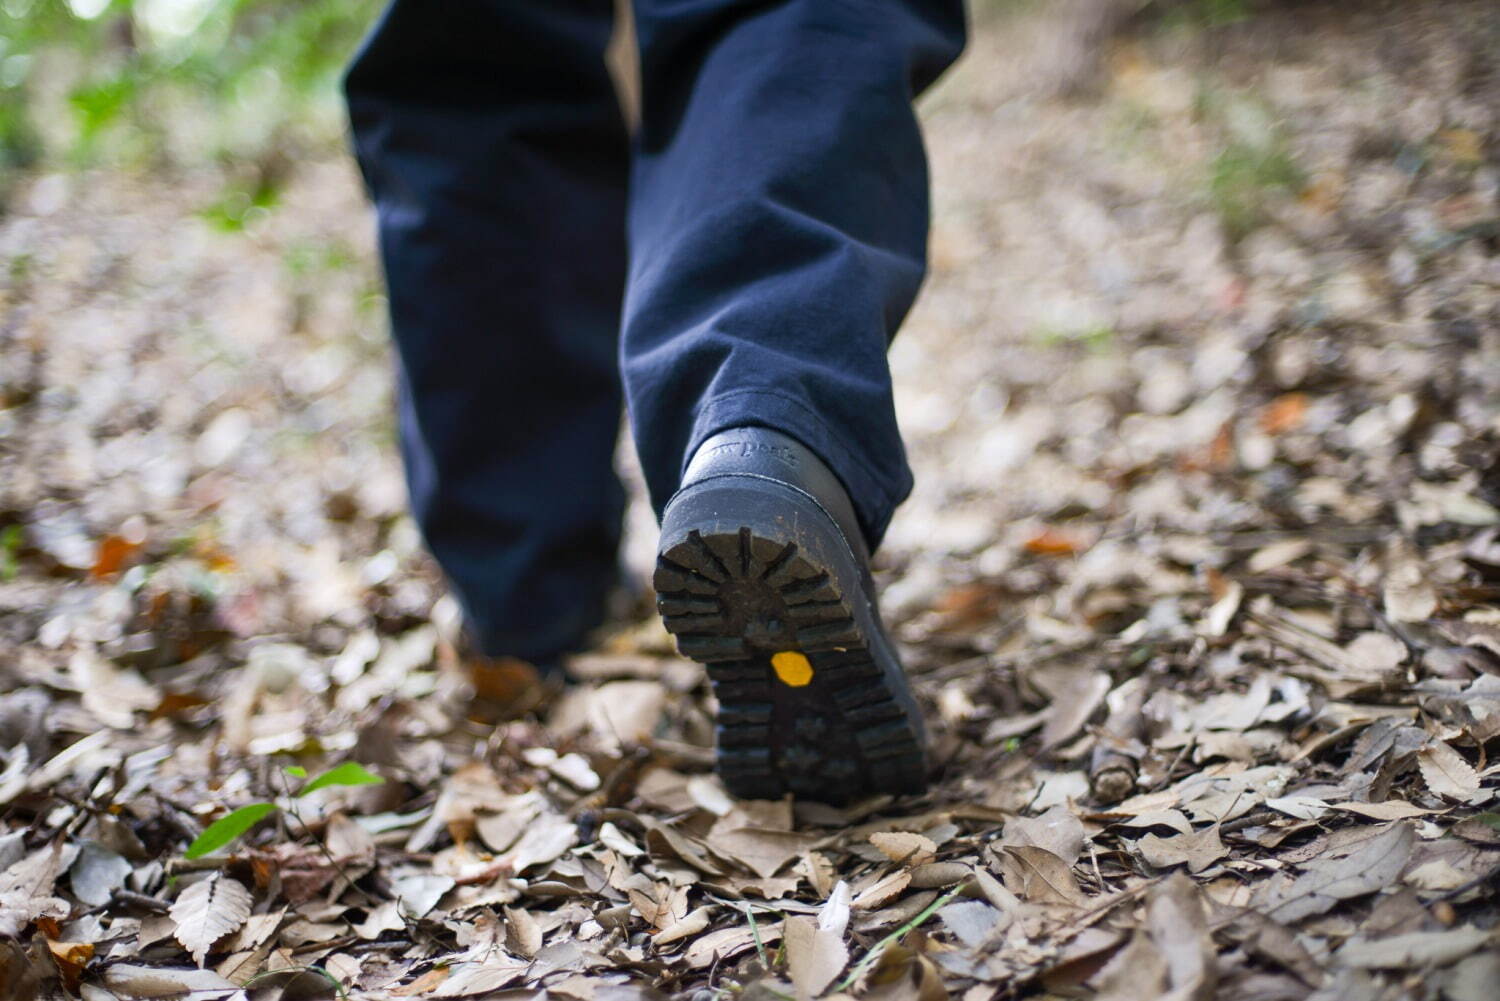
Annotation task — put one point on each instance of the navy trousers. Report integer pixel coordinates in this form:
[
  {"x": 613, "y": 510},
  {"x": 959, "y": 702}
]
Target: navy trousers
[{"x": 743, "y": 259}]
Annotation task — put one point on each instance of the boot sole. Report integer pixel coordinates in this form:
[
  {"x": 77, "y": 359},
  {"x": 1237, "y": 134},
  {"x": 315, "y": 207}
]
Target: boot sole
[{"x": 756, "y": 582}]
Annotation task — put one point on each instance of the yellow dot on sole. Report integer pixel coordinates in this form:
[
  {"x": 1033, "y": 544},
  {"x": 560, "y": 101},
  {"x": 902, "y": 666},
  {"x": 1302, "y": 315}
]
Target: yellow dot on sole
[{"x": 792, "y": 668}]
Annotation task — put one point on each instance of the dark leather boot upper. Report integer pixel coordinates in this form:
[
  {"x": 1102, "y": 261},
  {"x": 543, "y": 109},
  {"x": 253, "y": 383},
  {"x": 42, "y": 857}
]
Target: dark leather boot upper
[{"x": 766, "y": 454}]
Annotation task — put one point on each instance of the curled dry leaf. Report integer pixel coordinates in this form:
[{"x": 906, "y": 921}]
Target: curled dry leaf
[
  {"x": 500, "y": 831},
  {"x": 618, "y": 713},
  {"x": 938, "y": 874},
  {"x": 207, "y": 911},
  {"x": 723, "y": 944},
  {"x": 1278, "y": 554},
  {"x": 1222, "y": 612},
  {"x": 903, "y": 974},
  {"x": 709, "y": 793},
  {"x": 1300, "y": 807},
  {"x": 613, "y": 838},
  {"x": 693, "y": 923},
  {"x": 757, "y": 835},
  {"x": 574, "y": 769},
  {"x": 760, "y": 851},
  {"x": 905, "y": 847},
  {"x": 347, "y": 841},
  {"x": 663, "y": 840},
  {"x": 1473, "y": 979},
  {"x": 882, "y": 891},
  {"x": 426, "y": 983},
  {"x": 1377, "y": 652},
  {"x": 70, "y": 958}
]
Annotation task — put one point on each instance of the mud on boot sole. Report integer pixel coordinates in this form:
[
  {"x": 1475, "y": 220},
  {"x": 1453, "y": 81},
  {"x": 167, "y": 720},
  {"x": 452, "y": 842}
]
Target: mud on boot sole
[{"x": 755, "y": 581}]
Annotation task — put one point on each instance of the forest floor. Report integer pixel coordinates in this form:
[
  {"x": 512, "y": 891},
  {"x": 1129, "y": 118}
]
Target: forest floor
[{"x": 1200, "y": 586}]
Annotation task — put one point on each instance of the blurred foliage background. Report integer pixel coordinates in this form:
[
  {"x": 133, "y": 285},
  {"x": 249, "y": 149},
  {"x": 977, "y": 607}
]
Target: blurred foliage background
[
  {"x": 164, "y": 83},
  {"x": 141, "y": 83},
  {"x": 251, "y": 86}
]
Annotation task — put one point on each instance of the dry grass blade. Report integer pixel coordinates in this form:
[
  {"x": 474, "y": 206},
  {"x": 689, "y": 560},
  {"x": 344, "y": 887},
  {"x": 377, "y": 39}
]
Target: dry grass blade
[{"x": 876, "y": 950}]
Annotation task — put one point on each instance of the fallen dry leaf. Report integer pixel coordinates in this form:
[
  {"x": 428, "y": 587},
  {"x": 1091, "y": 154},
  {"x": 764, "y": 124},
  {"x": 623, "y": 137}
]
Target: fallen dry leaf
[
  {"x": 1039, "y": 876},
  {"x": 129, "y": 980},
  {"x": 207, "y": 911},
  {"x": 1408, "y": 594},
  {"x": 1197, "y": 851},
  {"x": 1177, "y": 924},
  {"x": 1370, "y": 865},
  {"x": 882, "y": 891},
  {"x": 1415, "y": 949},
  {"x": 905, "y": 847},
  {"x": 1197, "y": 588},
  {"x": 815, "y": 952},
  {"x": 1446, "y": 772},
  {"x": 70, "y": 959},
  {"x": 1057, "y": 830}
]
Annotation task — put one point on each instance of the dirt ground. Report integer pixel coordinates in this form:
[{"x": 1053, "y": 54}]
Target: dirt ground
[{"x": 1200, "y": 584}]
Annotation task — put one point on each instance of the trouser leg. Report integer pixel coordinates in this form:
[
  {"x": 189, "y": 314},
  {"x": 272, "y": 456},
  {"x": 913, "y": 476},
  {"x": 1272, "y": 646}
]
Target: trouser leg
[
  {"x": 493, "y": 146},
  {"x": 778, "y": 227}
]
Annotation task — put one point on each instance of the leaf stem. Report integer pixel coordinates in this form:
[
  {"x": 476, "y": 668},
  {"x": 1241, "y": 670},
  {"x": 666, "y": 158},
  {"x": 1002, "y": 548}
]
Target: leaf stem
[{"x": 896, "y": 936}]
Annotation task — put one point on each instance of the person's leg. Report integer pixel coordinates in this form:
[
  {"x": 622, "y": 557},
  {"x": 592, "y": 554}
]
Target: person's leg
[
  {"x": 492, "y": 142},
  {"x": 778, "y": 227}
]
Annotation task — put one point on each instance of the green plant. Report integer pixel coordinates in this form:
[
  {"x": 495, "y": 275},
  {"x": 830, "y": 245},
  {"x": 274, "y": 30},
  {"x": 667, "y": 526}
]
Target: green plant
[
  {"x": 1192, "y": 15},
  {"x": 10, "y": 546},
  {"x": 1241, "y": 178},
  {"x": 874, "y": 952},
  {"x": 1096, "y": 338},
  {"x": 338, "y": 988},
  {"x": 238, "y": 205},
  {"x": 237, "y": 822},
  {"x": 1219, "y": 12},
  {"x": 130, "y": 81},
  {"x": 1254, "y": 161}
]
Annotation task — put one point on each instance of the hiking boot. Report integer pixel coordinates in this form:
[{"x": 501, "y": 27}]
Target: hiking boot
[{"x": 763, "y": 575}]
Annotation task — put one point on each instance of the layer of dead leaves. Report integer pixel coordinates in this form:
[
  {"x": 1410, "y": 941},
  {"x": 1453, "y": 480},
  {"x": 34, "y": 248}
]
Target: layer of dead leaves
[{"x": 1206, "y": 618}]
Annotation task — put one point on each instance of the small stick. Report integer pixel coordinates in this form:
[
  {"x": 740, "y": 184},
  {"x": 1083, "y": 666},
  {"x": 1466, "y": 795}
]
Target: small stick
[
  {"x": 1113, "y": 766},
  {"x": 141, "y": 900}
]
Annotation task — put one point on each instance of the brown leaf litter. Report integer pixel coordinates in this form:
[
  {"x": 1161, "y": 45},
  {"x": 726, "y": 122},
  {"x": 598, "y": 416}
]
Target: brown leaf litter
[{"x": 1200, "y": 586}]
